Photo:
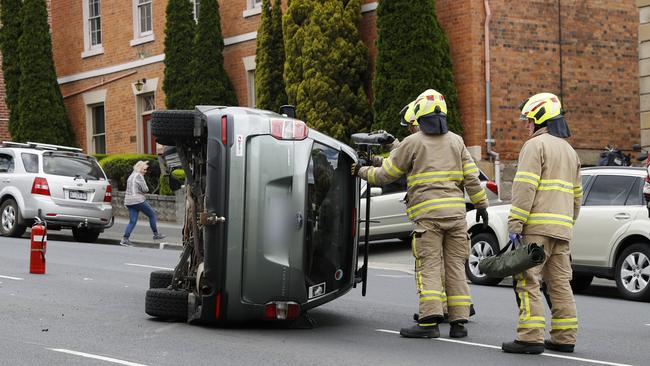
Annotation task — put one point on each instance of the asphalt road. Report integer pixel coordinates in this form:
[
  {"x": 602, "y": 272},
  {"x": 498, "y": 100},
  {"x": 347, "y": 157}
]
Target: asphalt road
[{"x": 89, "y": 310}]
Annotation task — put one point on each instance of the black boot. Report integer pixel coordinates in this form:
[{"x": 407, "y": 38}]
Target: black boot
[
  {"x": 457, "y": 329},
  {"x": 427, "y": 328},
  {"x": 568, "y": 348},
  {"x": 471, "y": 310},
  {"x": 523, "y": 347}
]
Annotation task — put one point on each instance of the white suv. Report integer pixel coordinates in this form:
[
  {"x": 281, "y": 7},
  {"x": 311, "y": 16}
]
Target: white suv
[
  {"x": 59, "y": 184},
  {"x": 611, "y": 238}
]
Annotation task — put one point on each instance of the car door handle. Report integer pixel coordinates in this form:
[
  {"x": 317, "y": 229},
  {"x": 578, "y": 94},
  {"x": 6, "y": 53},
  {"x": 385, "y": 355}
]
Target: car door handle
[{"x": 622, "y": 216}]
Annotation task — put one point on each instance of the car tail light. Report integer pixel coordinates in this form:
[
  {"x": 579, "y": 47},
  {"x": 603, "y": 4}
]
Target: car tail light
[
  {"x": 281, "y": 310},
  {"x": 224, "y": 130},
  {"x": 217, "y": 308},
  {"x": 108, "y": 196},
  {"x": 288, "y": 129},
  {"x": 492, "y": 187},
  {"x": 40, "y": 186}
]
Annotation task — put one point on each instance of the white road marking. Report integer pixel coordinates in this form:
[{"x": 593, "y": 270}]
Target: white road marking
[
  {"x": 547, "y": 354},
  {"x": 96, "y": 357},
  {"x": 12, "y": 278},
  {"x": 147, "y": 266}
]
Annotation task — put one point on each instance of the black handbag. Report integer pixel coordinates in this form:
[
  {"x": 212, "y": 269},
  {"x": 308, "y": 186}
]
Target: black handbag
[{"x": 509, "y": 262}]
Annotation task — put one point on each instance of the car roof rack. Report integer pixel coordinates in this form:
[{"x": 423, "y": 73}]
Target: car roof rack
[{"x": 38, "y": 145}]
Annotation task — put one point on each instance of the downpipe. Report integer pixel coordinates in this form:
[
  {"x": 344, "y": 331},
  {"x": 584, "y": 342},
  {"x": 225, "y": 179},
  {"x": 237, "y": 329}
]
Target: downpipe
[{"x": 488, "y": 113}]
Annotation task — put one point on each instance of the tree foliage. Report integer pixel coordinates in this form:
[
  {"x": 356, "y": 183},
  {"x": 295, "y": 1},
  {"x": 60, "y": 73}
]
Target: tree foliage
[
  {"x": 41, "y": 113},
  {"x": 211, "y": 85},
  {"x": 9, "y": 36},
  {"x": 327, "y": 65},
  {"x": 179, "y": 35},
  {"x": 269, "y": 59},
  {"x": 412, "y": 56}
]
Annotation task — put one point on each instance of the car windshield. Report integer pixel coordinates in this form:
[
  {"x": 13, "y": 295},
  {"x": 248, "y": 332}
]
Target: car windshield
[{"x": 72, "y": 165}]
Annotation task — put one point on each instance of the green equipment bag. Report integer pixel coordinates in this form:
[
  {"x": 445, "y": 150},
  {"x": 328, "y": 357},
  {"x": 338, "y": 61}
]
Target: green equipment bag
[{"x": 509, "y": 262}]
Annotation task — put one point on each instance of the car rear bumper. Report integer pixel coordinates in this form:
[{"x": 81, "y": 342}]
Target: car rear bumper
[{"x": 97, "y": 215}]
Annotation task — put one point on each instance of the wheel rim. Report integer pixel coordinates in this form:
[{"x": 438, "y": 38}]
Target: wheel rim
[
  {"x": 480, "y": 250},
  {"x": 8, "y": 218},
  {"x": 635, "y": 272}
]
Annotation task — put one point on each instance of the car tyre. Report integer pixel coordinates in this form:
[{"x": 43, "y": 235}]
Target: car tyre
[
  {"x": 633, "y": 272},
  {"x": 10, "y": 218},
  {"x": 579, "y": 283},
  {"x": 160, "y": 279},
  {"x": 172, "y": 127},
  {"x": 483, "y": 245},
  {"x": 166, "y": 303}
]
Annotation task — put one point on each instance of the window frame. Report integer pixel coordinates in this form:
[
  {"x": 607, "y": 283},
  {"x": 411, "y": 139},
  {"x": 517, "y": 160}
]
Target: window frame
[
  {"x": 195, "y": 9},
  {"x": 140, "y": 37},
  {"x": 89, "y": 48},
  {"x": 594, "y": 180},
  {"x": 94, "y": 135},
  {"x": 253, "y": 7}
]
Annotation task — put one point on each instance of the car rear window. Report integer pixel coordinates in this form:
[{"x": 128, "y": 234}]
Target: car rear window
[{"x": 72, "y": 166}]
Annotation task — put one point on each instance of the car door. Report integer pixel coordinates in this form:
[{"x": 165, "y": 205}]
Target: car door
[
  {"x": 603, "y": 216},
  {"x": 388, "y": 212}
]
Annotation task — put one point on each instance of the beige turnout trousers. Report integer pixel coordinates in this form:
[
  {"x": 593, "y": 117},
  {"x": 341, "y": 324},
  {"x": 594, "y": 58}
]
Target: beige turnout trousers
[
  {"x": 435, "y": 244},
  {"x": 556, "y": 273}
]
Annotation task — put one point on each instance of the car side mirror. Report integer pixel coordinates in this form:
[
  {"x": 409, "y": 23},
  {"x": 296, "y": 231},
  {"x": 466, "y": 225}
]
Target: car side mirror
[
  {"x": 636, "y": 147},
  {"x": 642, "y": 156},
  {"x": 376, "y": 191},
  {"x": 288, "y": 110}
]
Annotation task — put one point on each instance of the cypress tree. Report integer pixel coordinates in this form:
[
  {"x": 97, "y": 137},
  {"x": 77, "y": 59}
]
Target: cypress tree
[
  {"x": 294, "y": 22},
  {"x": 9, "y": 36},
  {"x": 269, "y": 60},
  {"x": 179, "y": 35},
  {"x": 330, "y": 94},
  {"x": 412, "y": 56},
  {"x": 211, "y": 85},
  {"x": 41, "y": 113}
]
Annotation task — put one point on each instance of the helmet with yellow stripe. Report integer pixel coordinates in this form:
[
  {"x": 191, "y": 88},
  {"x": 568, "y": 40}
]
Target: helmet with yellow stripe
[
  {"x": 428, "y": 111},
  {"x": 540, "y": 108}
]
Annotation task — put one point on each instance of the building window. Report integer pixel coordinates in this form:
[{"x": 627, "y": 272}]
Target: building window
[
  {"x": 251, "y": 88},
  {"x": 149, "y": 103},
  {"x": 255, "y": 3},
  {"x": 99, "y": 129},
  {"x": 195, "y": 9},
  {"x": 253, "y": 7},
  {"x": 92, "y": 28},
  {"x": 142, "y": 22}
]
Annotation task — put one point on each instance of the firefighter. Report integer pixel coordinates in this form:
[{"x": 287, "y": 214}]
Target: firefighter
[
  {"x": 437, "y": 166},
  {"x": 546, "y": 196}
]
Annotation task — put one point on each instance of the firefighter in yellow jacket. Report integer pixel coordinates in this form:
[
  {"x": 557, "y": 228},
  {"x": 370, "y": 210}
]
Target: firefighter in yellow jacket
[
  {"x": 546, "y": 197},
  {"x": 437, "y": 166}
]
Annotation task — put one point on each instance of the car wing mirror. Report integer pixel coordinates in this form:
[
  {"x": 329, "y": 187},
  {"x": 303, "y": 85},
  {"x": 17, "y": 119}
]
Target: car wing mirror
[
  {"x": 642, "y": 156},
  {"x": 376, "y": 191},
  {"x": 636, "y": 147}
]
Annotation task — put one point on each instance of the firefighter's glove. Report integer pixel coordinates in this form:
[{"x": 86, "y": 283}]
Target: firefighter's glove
[
  {"x": 355, "y": 169},
  {"x": 515, "y": 238},
  {"x": 482, "y": 214}
]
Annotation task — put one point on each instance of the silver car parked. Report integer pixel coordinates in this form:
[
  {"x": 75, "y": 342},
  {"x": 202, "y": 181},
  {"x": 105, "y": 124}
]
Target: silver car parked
[{"x": 61, "y": 185}]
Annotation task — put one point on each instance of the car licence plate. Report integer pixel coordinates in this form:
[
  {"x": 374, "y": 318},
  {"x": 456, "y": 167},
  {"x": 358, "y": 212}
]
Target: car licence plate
[{"x": 77, "y": 195}]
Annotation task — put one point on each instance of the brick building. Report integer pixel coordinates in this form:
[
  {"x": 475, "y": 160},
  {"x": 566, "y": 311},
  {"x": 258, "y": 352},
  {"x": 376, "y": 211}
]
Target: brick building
[{"x": 109, "y": 60}]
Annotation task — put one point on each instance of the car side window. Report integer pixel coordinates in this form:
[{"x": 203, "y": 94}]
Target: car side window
[
  {"x": 394, "y": 187},
  {"x": 636, "y": 194},
  {"x": 6, "y": 163},
  {"x": 609, "y": 190},
  {"x": 30, "y": 161}
]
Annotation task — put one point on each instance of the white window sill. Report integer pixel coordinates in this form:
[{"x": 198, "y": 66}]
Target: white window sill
[
  {"x": 251, "y": 12},
  {"x": 141, "y": 40},
  {"x": 98, "y": 50}
]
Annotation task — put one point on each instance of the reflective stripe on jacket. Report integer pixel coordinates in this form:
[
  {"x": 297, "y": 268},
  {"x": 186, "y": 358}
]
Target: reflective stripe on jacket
[
  {"x": 437, "y": 168},
  {"x": 547, "y": 188}
]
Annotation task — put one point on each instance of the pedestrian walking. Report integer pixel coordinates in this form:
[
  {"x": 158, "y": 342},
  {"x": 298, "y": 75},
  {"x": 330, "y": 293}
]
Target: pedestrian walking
[
  {"x": 546, "y": 197},
  {"x": 136, "y": 202},
  {"x": 437, "y": 166}
]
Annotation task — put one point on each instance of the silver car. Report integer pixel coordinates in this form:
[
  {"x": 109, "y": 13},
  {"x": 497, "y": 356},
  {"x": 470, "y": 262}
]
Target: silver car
[{"x": 59, "y": 184}]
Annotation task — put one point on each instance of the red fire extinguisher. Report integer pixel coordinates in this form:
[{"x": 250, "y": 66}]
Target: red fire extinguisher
[{"x": 38, "y": 247}]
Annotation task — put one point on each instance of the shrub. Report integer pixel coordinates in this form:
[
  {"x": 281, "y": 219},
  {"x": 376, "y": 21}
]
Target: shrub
[
  {"x": 118, "y": 167},
  {"x": 99, "y": 157},
  {"x": 179, "y": 174},
  {"x": 165, "y": 190}
]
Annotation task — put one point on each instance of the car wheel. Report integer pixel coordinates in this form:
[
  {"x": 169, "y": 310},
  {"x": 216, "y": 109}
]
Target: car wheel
[
  {"x": 172, "y": 127},
  {"x": 483, "y": 245},
  {"x": 160, "y": 279},
  {"x": 166, "y": 303},
  {"x": 580, "y": 283},
  {"x": 85, "y": 235},
  {"x": 9, "y": 219},
  {"x": 633, "y": 272}
]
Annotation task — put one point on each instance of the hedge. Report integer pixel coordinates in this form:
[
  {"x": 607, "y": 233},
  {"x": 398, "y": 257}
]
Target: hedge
[{"x": 118, "y": 167}]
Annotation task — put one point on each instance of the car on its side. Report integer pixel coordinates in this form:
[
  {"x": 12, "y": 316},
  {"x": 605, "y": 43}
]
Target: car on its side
[
  {"x": 611, "y": 237},
  {"x": 388, "y": 208},
  {"x": 61, "y": 185}
]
